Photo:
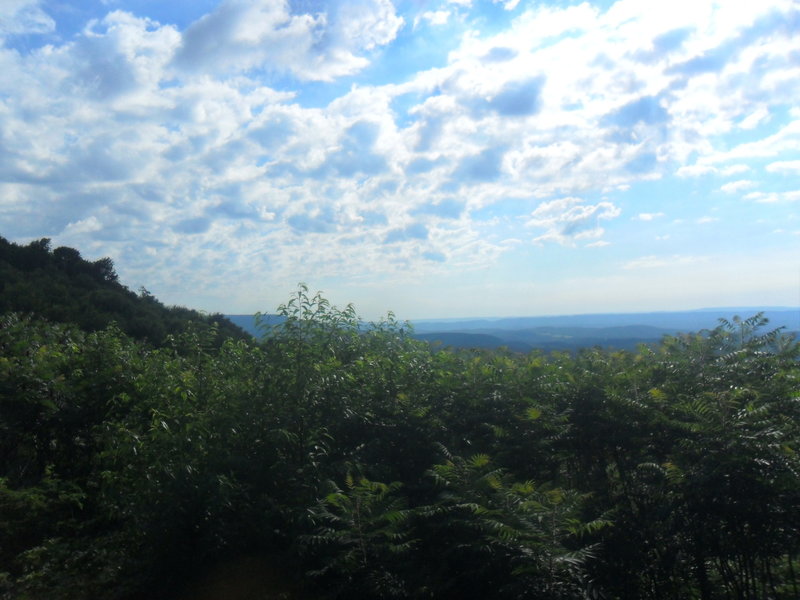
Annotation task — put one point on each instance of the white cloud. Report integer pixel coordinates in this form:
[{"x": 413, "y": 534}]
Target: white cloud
[
  {"x": 241, "y": 35},
  {"x": 434, "y": 17},
  {"x": 507, "y": 4},
  {"x": 695, "y": 170},
  {"x": 706, "y": 219},
  {"x": 784, "y": 166},
  {"x": 787, "y": 139},
  {"x": 24, "y": 16},
  {"x": 569, "y": 219},
  {"x": 87, "y": 225},
  {"x": 754, "y": 119},
  {"x": 637, "y": 118},
  {"x": 648, "y": 216},
  {"x": 737, "y": 186},
  {"x": 365, "y": 24},
  {"x": 657, "y": 262},
  {"x": 735, "y": 169},
  {"x": 175, "y": 141},
  {"x": 774, "y": 197}
]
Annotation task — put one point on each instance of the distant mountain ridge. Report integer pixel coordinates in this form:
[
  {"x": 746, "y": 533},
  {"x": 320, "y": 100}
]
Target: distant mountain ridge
[
  {"x": 570, "y": 332},
  {"x": 689, "y": 320}
]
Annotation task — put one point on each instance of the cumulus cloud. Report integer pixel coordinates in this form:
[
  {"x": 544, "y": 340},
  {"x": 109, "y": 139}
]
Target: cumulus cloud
[
  {"x": 784, "y": 166},
  {"x": 737, "y": 186},
  {"x": 639, "y": 119},
  {"x": 83, "y": 226},
  {"x": 206, "y": 140},
  {"x": 24, "y": 16},
  {"x": 568, "y": 219},
  {"x": 354, "y": 154},
  {"x": 774, "y": 197},
  {"x": 433, "y": 17},
  {"x": 695, "y": 170},
  {"x": 785, "y": 140},
  {"x": 754, "y": 119},
  {"x": 241, "y": 35},
  {"x": 735, "y": 169}
]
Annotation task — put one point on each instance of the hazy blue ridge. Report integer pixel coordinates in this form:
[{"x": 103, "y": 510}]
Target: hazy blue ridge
[
  {"x": 673, "y": 321},
  {"x": 250, "y": 323},
  {"x": 549, "y": 338},
  {"x": 474, "y": 340},
  {"x": 623, "y": 331}
]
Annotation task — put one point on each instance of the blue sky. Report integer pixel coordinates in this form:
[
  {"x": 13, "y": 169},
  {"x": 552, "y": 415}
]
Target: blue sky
[{"x": 446, "y": 158}]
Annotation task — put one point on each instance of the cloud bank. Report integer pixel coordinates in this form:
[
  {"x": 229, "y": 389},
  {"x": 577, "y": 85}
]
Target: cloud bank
[{"x": 203, "y": 152}]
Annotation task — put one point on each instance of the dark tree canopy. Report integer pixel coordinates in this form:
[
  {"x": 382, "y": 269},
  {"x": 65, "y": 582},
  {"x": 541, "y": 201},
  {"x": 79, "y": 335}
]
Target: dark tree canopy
[{"x": 62, "y": 286}]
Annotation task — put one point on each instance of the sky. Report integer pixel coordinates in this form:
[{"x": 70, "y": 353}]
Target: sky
[{"x": 434, "y": 158}]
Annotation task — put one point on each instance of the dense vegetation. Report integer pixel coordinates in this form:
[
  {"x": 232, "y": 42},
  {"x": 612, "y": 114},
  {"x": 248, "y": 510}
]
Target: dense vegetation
[
  {"x": 61, "y": 286},
  {"x": 337, "y": 461}
]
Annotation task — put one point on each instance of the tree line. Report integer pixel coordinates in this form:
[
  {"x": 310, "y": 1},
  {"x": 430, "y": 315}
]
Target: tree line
[
  {"x": 347, "y": 461},
  {"x": 60, "y": 285}
]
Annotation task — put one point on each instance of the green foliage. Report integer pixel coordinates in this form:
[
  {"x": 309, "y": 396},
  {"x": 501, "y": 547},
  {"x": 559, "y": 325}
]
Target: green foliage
[
  {"x": 361, "y": 537},
  {"x": 128, "y": 470},
  {"x": 61, "y": 286},
  {"x": 512, "y": 536}
]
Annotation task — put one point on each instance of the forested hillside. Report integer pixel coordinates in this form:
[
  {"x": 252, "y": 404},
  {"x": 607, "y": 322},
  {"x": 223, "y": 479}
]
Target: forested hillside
[
  {"x": 61, "y": 286},
  {"x": 334, "y": 461}
]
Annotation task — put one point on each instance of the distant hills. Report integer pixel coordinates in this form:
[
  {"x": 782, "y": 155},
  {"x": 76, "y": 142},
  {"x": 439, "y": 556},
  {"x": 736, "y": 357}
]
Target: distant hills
[
  {"x": 688, "y": 320},
  {"x": 624, "y": 331},
  {"x": 60, "y": 285},
  {"x": 550, "y": 338},
  {"x": 569, "y": 332}
]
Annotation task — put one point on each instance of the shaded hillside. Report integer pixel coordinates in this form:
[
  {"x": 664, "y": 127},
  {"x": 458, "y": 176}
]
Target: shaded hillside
[
  {"x": 61, "y": 286},
  {"x": 458, "y": 339}
]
